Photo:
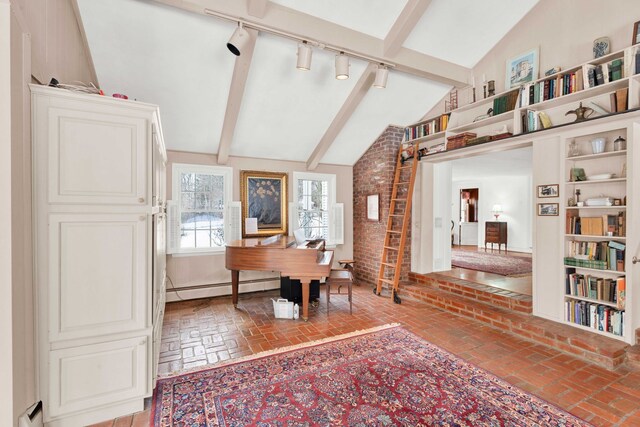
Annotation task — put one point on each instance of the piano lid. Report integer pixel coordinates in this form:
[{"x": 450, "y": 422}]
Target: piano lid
[{"x": 279, "y": 241}]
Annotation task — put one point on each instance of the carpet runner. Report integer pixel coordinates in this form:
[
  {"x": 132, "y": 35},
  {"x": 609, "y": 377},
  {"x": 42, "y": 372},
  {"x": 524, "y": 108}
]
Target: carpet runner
[
  {"x": 386, "y": 376},
  {"x": 491, "y": 263}
]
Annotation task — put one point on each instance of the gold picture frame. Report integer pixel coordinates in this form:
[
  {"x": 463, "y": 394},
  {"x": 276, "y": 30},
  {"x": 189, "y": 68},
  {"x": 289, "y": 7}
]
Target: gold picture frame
[{"x": 264, "y": 196}]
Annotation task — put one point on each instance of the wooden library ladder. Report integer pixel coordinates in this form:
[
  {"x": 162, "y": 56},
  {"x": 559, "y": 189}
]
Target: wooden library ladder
[{"x": 398, "y": 221}]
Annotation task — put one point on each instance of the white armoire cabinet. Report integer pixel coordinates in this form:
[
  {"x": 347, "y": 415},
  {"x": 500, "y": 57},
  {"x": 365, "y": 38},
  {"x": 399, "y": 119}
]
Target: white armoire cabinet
[{"x": 99, "y": 168}]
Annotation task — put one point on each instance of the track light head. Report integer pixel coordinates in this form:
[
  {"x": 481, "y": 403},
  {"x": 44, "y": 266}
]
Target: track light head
[
  {"x": 342, "y": 66},
  {"x": 238, "y": 40},
  {"x": 381, "y": 77},
  {"x": 304, "y": 57}
]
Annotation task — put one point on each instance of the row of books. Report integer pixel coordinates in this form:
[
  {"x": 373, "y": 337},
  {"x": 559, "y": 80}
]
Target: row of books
[
  {"x": 587, "y": 76},
  {"x": 615, "y": 224},
  {"x": 619, "y": 100},
  {"x": 535, "y": 120},
  {"x": 606, "y": 255},
  {"x": 544, "y": 90},
  {"x": 426, "y": 128},
  {"x": 596, "y": 316},
  {"x": 504, "y": 103},
  {"x": 603, "y": 289}
]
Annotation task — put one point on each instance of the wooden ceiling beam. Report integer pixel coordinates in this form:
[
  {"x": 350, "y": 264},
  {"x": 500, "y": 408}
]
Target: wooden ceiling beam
[
  {"x": 406, "y": 22},
  {"x": 257, "y": 8},
  {"x": 350, "y": 104},
  {"x": 236, "y": 92},
  {"x": 309, "y": 27}
]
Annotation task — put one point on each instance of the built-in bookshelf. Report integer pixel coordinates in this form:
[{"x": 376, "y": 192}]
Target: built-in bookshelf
[
  {"x": 595, "y": 232},
  {"x": 607, "y": 85}
]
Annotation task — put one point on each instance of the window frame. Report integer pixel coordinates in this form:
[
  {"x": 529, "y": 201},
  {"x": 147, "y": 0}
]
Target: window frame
[
  {"x": 331, "y": 202},
  {"x": 177, "y": 169}
]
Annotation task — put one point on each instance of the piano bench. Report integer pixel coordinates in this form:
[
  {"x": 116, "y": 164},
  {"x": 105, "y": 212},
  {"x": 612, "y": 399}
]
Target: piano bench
[{"x": 337, "y": 279}]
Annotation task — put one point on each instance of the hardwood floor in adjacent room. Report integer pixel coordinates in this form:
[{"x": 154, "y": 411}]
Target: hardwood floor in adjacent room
[
  {"x": 522, "y": 285},
  {"x": 200, "y": 333}
]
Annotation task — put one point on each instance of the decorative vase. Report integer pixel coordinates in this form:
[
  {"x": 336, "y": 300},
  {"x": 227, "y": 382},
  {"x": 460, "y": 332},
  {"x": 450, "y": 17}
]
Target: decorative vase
[{"x": 597, "y": 145}]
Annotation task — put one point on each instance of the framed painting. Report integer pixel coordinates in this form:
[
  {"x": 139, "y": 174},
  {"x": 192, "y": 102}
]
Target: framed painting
[
  {"x": 373, "y": 207},
  {"x": 522, "y": 69},
  {"x": 264, "y": 197},
  {"x": 635, "y": 37}
]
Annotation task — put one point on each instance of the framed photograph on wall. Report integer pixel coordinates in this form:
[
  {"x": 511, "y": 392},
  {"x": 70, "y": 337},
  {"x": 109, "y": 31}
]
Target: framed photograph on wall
[
  {"x": 548, "y": 190},
  {"x": 373, "y": 207},
  {"x": 548, "y": 209},
  {"x": 264, "y": 197},
  {"x": 522, "y": 69}
]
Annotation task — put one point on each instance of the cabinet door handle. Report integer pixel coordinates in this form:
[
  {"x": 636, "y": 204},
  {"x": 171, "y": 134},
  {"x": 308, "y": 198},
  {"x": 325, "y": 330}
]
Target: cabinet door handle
[
  {"x": 142, "y": 217},
  {"x": 635, "y": 260},
  {"x": 141, "y": 200}
]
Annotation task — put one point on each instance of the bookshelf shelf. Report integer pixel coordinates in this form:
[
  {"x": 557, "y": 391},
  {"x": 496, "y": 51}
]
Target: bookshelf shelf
[
  {"x": 587, "y": 236},
  {"x": 427, "y": 138},
  {"x": 595, "y": 207},
  {"x": 508, "y": 115},
  {"x": 580, "y": 95},
  {"x": 596, "y": 270},
  {"x": 596, "y": 181},
  {"x": 595, "y": 301},
  {"x": 622, "y": 153}
]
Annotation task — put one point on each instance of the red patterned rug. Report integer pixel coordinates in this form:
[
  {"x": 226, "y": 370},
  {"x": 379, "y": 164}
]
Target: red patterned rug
[
  {"x": 382, "y": 377},
  {"x": 491, "y": 263}
]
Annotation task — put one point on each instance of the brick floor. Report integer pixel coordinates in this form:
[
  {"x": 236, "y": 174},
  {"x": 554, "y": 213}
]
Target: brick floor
[{"x": 201, "y": 332}]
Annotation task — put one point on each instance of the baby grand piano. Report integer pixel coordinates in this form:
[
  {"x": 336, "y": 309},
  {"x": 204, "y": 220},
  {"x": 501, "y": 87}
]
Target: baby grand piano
[{"x": 304, "y": 262}]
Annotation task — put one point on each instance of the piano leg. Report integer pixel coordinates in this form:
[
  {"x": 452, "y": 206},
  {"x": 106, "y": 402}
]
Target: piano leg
[
  {"x": 305, "y": 298},
  {"x": 235, "y": 275}
]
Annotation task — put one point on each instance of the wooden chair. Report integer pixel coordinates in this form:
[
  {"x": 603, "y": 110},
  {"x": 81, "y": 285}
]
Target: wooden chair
[{"x": 339, "y": 278}]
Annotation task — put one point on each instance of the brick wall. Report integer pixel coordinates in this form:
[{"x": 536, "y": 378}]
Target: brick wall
[{"x": 374, "y": 174}]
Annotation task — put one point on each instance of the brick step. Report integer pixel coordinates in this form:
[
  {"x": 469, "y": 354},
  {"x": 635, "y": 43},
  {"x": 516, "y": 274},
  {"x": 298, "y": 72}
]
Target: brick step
[
  {"x": 604, "y": 351},
  {"x": 476, "y": 291}
]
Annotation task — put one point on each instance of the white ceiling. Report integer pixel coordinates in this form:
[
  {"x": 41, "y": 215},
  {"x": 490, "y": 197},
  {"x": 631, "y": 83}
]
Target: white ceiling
[
  {"x": 496, "y": 164},
  {"x": 463, "y": 31},
  {"x": 178, "y": 60}
]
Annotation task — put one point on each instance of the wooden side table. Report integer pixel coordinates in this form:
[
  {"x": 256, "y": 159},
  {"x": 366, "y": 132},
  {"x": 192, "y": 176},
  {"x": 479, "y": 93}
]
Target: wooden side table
[{"x": 495, "y": 232}]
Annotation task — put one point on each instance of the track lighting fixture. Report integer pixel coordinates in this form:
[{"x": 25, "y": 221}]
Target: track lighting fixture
[
  {"x": 304, "y": 57},
  {"x": 342, "y": 66},
  {"x": 381, "y": 77},
  {"x": 238, "y": 40}
]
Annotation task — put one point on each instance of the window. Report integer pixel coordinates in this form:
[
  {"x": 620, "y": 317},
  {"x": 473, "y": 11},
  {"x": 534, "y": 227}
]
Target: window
[
  {"x": 315, "y": 209},
  {"x": 201, "y": 196}
]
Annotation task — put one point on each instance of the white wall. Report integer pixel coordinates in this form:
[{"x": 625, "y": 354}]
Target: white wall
[{"x": 6, "y": 326}]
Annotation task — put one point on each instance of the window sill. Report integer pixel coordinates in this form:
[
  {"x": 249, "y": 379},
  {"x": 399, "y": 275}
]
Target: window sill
[{"x": 203, "y": 253}]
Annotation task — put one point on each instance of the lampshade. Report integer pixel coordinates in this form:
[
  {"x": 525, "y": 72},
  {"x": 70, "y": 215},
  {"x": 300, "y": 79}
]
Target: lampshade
[
  {"x": 342, "y": 66},
  {"x": 238, "y": 40},
  {"x": 381, "y": 77},
  {"x": 304, "y": 57}
]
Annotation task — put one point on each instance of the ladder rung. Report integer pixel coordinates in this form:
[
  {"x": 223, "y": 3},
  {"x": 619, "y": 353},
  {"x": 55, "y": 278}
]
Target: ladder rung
[
  {"x": 387, "y": 281},
  {"x": 402, "y": 183},
  {"x": 390, "y": 247},
  {"x": 388, "y": 265},
  {"x": 394, "y": 232},
  {"x": 400, "y": 200},
  {"x": 405, "y": 167},
  {"x": 396, "y": 215}
]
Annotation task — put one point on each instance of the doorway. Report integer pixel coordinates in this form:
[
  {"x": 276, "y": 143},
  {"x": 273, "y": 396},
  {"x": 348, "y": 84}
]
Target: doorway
[
  {"x": 504, "y": 179},
  {"x": 468, "y": 219}
]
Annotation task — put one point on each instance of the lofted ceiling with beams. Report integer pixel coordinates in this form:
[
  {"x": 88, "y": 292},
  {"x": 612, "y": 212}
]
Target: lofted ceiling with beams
[{"x": 172, "y": 53}]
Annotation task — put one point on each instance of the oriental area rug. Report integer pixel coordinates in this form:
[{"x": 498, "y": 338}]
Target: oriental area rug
[
  {"x": 491, "y": 263},
  {"x": 381, "y": 377}
]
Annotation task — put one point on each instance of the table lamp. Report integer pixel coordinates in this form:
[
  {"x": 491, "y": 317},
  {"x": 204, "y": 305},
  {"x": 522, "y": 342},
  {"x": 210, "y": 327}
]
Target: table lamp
[{"x": 497, "y": 210}]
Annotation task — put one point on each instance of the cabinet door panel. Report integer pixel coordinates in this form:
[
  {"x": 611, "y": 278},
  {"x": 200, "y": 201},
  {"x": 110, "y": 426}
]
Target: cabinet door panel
[
  {"x": 98, "y": 274},
  {"x": 92, "y": 375},
  {"x": 97, "y": 158}
]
